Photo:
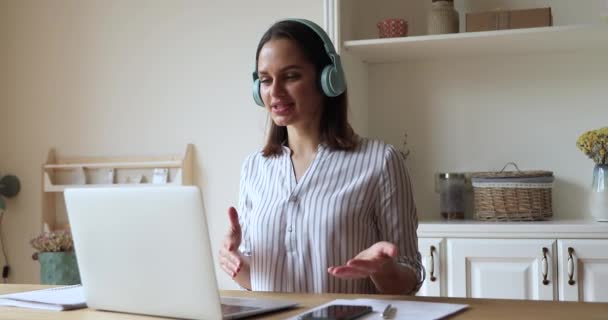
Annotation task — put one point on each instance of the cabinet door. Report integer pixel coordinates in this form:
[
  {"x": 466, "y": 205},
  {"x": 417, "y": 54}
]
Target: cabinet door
[
  {"x": 583, "y": 270},
  {"x": 501, "y": 268},
  {"x": 432, "y": 253}
]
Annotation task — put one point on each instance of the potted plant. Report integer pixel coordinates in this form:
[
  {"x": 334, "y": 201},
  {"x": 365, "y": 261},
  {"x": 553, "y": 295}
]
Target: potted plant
[
  {"x": 55, "y": 252},
  {"x": 594, "y": 144}
]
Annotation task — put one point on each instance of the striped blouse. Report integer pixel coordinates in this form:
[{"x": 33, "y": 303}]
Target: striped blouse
[{"x": 345, "y": 202}]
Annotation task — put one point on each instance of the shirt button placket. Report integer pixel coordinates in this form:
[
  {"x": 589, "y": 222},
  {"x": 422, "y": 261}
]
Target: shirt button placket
[{"x": 291, "y": 210}]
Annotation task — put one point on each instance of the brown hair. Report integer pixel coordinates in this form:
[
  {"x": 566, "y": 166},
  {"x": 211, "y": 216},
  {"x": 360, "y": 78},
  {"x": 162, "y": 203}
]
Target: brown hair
[{"x": 336, "y": 132}]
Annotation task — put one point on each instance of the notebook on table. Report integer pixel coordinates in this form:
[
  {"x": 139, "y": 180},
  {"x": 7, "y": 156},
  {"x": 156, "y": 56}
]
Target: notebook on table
[
  {"x": 146, "y": 250},
  {"x": 58, "y": 299}
]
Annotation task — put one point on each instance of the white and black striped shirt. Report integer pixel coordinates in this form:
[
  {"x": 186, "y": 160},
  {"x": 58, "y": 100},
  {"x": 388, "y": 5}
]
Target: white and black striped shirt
[{"x": 345, "y": 202}]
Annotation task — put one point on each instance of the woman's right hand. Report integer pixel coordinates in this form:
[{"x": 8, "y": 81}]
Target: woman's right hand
[{"x": 231, "y": 261}]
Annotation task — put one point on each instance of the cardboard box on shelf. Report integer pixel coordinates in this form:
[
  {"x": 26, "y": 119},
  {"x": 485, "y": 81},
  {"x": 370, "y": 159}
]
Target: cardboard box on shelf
[{"x": 508, "y": 19}]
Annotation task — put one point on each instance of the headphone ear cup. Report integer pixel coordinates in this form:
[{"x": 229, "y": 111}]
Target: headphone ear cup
[
  {"x": 257, "y": 96},
  {"x": 332, "y": 81},
  {"x": 326, "y": 81}
]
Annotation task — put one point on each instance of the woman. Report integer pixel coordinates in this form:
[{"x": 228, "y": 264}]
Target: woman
[{"x": 320, "y": 209}]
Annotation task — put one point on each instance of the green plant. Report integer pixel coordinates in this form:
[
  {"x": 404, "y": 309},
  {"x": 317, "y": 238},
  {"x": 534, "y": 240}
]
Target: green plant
[
  {"x": 594, "y": 144},
  {"x": 53, "y": 241}
]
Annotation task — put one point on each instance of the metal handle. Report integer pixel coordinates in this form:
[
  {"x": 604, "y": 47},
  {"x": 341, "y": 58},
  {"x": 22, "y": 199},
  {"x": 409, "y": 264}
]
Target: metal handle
[
  {"x": 545, "y": 266},
  {"x": 510, "y": 163},
  {"x": 432, "y": 268},
  {"x": 570, "y": 267}
]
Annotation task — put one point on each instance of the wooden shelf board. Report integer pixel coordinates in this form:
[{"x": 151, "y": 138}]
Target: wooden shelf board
[
  {"x": 118, "y": 165},
  {"x": 481, "y": 44},
  {"x": 61, "y": 188}
]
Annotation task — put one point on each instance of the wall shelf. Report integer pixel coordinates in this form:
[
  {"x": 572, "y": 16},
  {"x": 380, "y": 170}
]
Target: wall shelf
[
  {"x": 457, "y": 96},
  {"x": 150, "y": 164},
  {"x": 59, "y": 174},
  {"x": 62, "y": 188},
  {"x": 478, "y": 44}
]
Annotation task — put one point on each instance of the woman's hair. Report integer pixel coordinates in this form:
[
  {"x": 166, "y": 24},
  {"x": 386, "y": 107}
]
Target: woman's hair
[{"x": 336, "y": 132}]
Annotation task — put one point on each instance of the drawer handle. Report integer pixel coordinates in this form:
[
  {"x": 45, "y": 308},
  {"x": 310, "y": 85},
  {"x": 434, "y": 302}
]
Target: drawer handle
[
  {"x": 545, "y": 266},
  {"x": 432, "y": 268},
  {"x": 570, "y": 267}
]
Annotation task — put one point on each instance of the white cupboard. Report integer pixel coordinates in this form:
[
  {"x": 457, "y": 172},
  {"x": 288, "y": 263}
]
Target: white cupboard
[
  {"x": 554, "y": 260},
  {"x": 501, "y": 268},
  {"x": 432, "y": 252},
  {"x": 583, "y": 270}
]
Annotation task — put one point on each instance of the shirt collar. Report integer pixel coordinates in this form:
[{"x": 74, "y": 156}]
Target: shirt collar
[{"x": 320, "y": 148}]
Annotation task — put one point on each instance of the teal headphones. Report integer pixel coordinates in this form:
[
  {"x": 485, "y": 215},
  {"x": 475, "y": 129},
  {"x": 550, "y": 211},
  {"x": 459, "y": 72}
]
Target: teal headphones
[{"x": 332, "y": 76}]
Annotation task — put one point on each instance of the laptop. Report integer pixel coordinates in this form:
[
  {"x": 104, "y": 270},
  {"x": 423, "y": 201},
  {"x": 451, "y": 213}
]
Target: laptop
[{"x": 146, "y": 250}]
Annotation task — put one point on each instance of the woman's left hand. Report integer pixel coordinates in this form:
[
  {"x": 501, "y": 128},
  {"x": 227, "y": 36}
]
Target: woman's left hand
[{"x": 367, "y": 263}]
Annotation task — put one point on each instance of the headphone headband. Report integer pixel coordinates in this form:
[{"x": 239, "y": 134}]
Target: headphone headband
[
  {"x": 332, "y": 80},
  {"x": 329, "y": 46}
]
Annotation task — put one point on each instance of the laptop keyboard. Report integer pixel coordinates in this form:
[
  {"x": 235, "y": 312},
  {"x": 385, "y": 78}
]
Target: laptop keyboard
[{"x": 233, "y": 308}]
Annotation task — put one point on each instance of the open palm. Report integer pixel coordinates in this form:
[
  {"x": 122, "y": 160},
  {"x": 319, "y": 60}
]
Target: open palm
[{"x": 367, "y": 262}]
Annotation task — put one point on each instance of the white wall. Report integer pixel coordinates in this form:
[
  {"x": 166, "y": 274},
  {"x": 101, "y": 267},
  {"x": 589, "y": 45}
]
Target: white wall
[
  {"x": 478, "y": 114},
  {"x": 129, "y": 78}
]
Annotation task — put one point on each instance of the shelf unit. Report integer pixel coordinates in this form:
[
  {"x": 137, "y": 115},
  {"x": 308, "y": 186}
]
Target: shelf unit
[
  {"x": 481, "y": 44},
  {"x": 473, "y": 258},
  {"x": 60, "y": 173},
  {"x": 444, "y": 90}
]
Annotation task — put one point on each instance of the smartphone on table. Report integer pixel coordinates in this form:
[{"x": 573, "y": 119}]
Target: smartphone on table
[{"x": 337, "y": 312}]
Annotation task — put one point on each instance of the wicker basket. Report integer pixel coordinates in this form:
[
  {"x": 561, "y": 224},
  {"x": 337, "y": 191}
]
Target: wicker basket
[{"x": 513, "y": 195}]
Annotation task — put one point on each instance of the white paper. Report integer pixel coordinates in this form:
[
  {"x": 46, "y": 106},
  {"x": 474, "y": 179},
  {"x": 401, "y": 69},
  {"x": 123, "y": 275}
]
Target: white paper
[
  {"x": 60, "y": 298},
  {"x": 160, "y": 175},
  {"x": 401, "y": 310}
]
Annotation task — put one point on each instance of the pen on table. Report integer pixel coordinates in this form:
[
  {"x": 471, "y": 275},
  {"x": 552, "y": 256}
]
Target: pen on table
[{"x": 386, "y": 311}]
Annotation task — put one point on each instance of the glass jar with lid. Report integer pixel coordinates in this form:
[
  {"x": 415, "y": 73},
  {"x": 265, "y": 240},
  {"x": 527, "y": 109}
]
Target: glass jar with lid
[{"x": 451, "y": 188}]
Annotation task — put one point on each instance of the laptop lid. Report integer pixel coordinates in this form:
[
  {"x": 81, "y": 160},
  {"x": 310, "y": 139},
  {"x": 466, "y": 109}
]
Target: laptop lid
[{"x": 146, "y": 250}]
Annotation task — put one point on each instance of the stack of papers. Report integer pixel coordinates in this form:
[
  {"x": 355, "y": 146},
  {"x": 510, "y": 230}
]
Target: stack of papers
[
  {"x": 60, "y": 298},
  {"x": 402, "y": 310}
]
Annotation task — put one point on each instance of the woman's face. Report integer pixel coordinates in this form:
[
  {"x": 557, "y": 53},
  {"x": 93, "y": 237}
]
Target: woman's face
[{"x": 288, "y": 85}]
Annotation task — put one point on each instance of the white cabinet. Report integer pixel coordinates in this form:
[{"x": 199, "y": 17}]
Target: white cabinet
[
  {"x": 432, "y": 251},
  {"x": 553, "y": 260},
  {"x": 583, "y": 270},
  {"x": 501, "y": 268}
]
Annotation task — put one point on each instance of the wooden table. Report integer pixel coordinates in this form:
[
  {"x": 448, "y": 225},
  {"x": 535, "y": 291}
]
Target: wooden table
[{"x": 481, "y": 309}]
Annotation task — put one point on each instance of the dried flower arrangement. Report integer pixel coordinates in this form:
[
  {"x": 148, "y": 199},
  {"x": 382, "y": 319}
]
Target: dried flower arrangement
[
  {"x": 594, "y": 144},
  {"x": 405, "y": 150},
  {"x": 53, "y": 241}
]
